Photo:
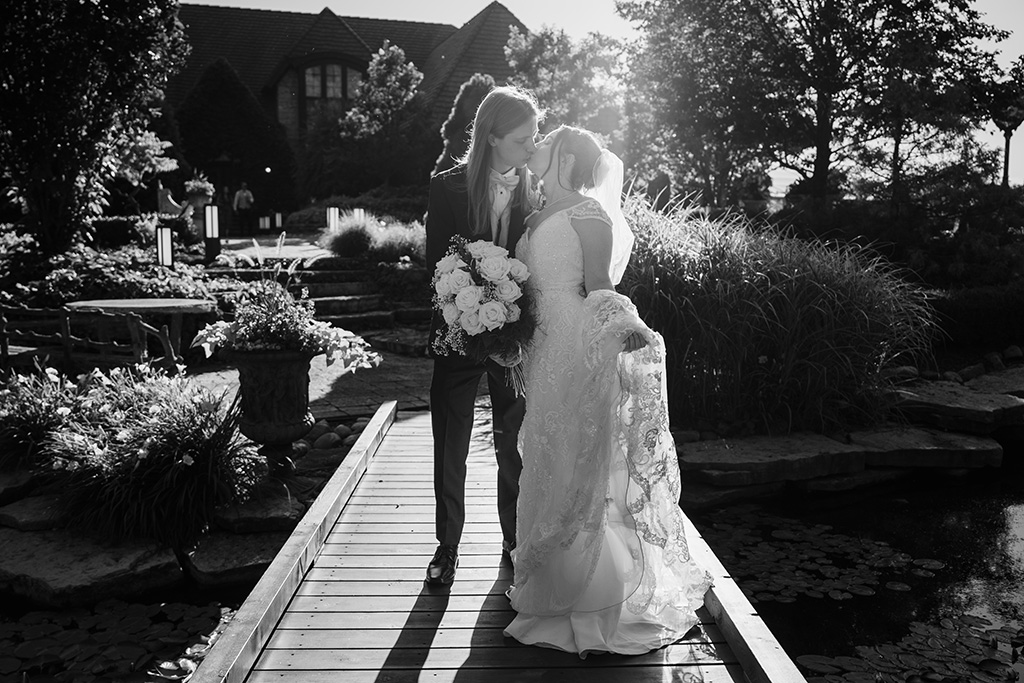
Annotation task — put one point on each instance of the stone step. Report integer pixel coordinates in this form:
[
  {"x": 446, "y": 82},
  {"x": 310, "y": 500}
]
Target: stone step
[
  {"x": 415, "y": 315},
  {"x": 758, "y": 460},
  {"x": 1010, "y": 381},
  {"x": 323, "y": 290},
  {"x": 360, "y": 322},
  {"x": 342, "y": 305},
  {"x": 916, "y": 447},
  {"x": 954, "y": 407}
]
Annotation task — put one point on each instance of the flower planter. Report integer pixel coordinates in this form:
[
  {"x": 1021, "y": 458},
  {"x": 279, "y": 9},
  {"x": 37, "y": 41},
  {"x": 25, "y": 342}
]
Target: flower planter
[{"x": 273, "y": 389}]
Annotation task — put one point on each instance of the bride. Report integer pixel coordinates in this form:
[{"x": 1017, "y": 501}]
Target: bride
[{"x": 601, "y": 562}]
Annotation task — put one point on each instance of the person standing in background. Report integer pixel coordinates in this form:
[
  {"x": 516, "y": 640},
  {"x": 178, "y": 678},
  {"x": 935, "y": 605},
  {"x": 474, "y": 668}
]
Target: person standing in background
[{"x": 243, "y": 209}]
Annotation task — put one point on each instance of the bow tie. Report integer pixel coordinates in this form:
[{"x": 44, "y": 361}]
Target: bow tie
[{"x": 509, "y": 182}]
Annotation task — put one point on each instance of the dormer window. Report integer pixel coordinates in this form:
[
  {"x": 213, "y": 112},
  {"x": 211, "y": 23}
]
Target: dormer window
[{"x": 329, "y": 88}]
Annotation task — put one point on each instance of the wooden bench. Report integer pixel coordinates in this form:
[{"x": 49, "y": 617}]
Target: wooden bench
[{"x": 79, "y": 340}]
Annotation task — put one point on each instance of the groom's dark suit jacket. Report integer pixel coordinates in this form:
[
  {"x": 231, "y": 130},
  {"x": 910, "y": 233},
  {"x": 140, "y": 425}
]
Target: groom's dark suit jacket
[
  {"x": 448, "y": 215},
  {"x": 454, "y": 384}
]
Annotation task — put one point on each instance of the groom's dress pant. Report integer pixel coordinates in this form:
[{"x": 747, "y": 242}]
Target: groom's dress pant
[{"x": 453, "y": 390}]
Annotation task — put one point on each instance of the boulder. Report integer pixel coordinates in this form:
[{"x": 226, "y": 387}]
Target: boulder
[
  {"x": 902, "y": 373},
  {"x": 1009, "y": 381},
  {"x": 276, "y": 513},
  {"x": 328, "y": 440},
  {"x": 343, "y": 430},
  {"x": 971, "y": 371},
  {"x": 322, "y": 459},
  {"x": 1013, "y": 353},
  {"x": 316, "y": 431},
  {"x": 946, "y": 405},
  {"x": 67, "y": 568},
  {"x": 994, "y": 361},
  {"x": 34, "y": 513},
  {"x": 223, "y": 559},
  {"x": 917, "y": 447},
  {"x": 763, "y": 459},
  {"x": 950, "y": 376},
  {"x": 15, "y": 485}
]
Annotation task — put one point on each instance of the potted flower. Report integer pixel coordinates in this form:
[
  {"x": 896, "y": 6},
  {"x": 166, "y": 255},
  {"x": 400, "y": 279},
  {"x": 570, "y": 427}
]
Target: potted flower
[
  {"x": 271, "y": 341},
  {"x": 199, "y": 189}
]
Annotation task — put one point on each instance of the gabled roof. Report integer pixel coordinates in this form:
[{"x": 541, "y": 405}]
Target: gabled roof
[
  {"x": 476, "y": 47},
  {"x": 329, "y": 33},
  {"x": 256, "y": 42}
]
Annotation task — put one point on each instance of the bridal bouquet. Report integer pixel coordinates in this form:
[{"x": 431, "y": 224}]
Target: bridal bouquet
[{"x": 478, "y": 290}]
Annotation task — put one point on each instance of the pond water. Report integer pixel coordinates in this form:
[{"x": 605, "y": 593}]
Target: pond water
[{"x": 920, "y": 582}]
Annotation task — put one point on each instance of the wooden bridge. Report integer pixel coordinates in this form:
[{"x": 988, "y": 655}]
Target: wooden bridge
[{"x": 345, "y": 602}]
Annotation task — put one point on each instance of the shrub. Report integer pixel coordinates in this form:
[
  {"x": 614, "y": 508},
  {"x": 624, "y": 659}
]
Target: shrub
[
  {"x": 403, "y": 282},
  {"x": 391, "y": 204},
  {"x": 392, "y": 243},
  {"x": 148, "y": 455},
  {"x": 770, "y": 332},
  {"x": 87, "y": 273},
  {"x": 32, "y": 407},
  {"x": 352, "y": 236}
]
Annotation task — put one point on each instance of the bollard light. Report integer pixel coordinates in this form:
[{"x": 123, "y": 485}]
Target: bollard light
[
  {"x": 333, "y": 217},
  {"x": 278, "y": 220},
  {"x": 359, "y": 214},
  {"x": 164, "y": 246},
  {"x": 211, "y": 213},
  {"x": 264, "y": 222}
]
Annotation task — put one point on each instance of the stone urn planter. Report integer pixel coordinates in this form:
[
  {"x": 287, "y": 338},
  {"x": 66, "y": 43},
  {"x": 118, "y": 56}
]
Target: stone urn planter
[{"x": 273, "y": 388}]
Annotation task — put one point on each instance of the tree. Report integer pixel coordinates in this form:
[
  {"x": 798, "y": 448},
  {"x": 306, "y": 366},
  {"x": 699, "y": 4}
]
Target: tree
[
  {"x": 696, "y": 76},
  {"x": 1006, "y": 109},
  {"x": 384, "y": 138},
  {"x": 219, "y": 119},
  {"x": 923, "y": 79},
  {"x": 75, "y": 74},
  {"x": 822, "y": 56},
  {"x": 456, "y": 129},
  {"x": 576, "y": 83}
]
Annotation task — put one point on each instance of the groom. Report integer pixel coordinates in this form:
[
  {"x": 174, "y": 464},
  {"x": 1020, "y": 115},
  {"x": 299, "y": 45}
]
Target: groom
[{"x": 480, "y": 198}]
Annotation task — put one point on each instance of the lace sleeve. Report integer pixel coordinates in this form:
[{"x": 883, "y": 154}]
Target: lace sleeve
[{"x": 589, "y": 209}]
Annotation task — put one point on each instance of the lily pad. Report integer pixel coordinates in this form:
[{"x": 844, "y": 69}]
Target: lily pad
[
  {"x": 9, "y": 665},
  {"x": 923, "y": 573},
  {"x": 930, "y": 564},
  {"x": 897, "y": 586},
  {"x": 860, "y": 589}
]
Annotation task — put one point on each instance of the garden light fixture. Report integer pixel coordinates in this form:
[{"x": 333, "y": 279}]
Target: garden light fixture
[
  {"x": 212, "y": 231},
  {"x": 164, "y": 250}
]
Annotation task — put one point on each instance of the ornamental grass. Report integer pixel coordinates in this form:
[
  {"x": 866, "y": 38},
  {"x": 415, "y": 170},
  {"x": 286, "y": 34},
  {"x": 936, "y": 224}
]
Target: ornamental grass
[{"x": 768, "y": 333}]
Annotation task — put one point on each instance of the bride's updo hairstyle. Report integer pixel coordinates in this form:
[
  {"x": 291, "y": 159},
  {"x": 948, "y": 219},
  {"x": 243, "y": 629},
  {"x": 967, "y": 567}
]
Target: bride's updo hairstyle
[{"x": 584, "y": 147}]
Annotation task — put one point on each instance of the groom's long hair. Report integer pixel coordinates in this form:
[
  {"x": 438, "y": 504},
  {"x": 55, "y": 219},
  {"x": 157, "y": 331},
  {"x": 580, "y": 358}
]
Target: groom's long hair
[{"x": 502, "y": 111}]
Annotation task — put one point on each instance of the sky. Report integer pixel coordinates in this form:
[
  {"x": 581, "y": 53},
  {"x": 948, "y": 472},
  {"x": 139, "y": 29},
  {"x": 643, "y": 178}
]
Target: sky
[{"x": 579, "y": 17}]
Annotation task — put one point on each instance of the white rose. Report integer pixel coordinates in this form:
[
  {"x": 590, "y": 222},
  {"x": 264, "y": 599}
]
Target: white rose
[
  {"x": 470, "y": 322},
  {"x": 460, "y": 279},
  {"x": 512, "y": 313},
  {"x": 443, "y": 286},
  {"x": 517, "y": 270},
  {"x": 492, "y": 314},
  {"x": 507, "y": 290},
  {"x": 451, "y": 313},
  {"x": 449, "y": 263},
  {"x": 493, "y": 268},
  {"x": 482, "y": 249},
  {"x": 469, "y": 298}
]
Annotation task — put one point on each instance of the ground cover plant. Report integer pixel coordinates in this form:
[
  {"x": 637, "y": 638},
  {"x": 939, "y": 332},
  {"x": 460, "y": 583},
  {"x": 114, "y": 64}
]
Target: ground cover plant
[
  {"x": 766, "y": 332},
  {"x": 135, "y": 453},
  {"x": 83, "y": 272}
]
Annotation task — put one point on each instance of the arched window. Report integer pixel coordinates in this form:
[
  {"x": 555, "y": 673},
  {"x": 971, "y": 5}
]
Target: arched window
[{"x": 328, "y": 88}]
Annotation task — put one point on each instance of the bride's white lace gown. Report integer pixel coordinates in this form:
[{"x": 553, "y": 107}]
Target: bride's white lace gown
[{"x": 601, "y": 563}]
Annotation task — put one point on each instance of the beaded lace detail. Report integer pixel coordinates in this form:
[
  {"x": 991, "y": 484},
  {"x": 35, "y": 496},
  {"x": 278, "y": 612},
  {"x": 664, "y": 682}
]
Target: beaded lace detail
[{"x": 597, "y": 453}]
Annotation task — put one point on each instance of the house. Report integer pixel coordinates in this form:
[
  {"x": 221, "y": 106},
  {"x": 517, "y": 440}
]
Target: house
[{"x": 298, "y": 64}]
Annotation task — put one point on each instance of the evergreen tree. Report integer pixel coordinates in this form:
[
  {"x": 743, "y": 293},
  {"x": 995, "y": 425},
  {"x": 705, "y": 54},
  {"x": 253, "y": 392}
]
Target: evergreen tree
[{"x": 456, "y": 129}]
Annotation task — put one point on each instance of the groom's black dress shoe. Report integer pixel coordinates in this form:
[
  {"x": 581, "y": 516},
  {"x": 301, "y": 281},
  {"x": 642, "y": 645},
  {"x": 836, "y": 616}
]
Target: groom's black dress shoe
[{"x": 441, "y": 570}]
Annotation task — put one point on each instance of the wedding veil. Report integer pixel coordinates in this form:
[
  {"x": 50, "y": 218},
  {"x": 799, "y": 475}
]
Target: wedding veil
[{"x": 608, "y": 191}]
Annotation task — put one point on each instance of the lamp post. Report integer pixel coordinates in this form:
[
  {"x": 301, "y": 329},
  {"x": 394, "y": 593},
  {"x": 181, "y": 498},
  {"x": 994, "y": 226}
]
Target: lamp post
[
  {"x": 164, "y": 250},
  {"x": 212, "y": 231}
]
